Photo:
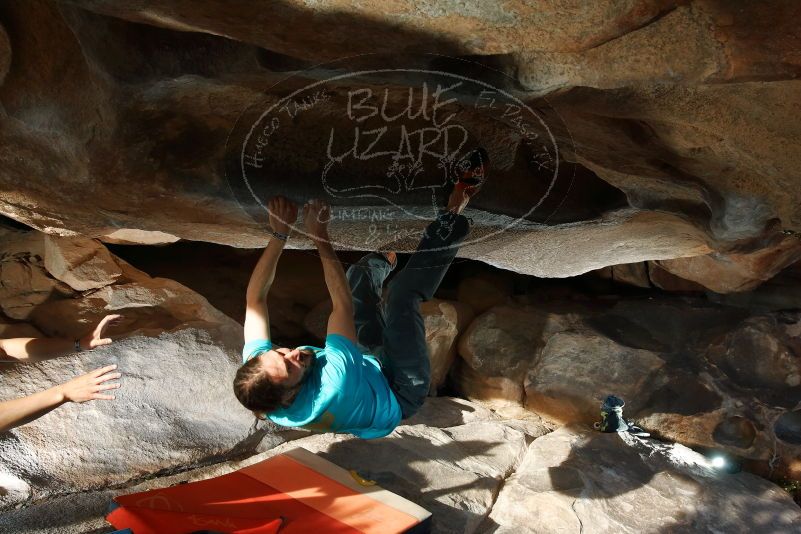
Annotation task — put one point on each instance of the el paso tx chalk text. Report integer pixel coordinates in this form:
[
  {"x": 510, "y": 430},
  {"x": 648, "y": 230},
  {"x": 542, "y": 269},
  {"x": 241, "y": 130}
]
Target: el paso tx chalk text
[{"x": 512, "y": 113}]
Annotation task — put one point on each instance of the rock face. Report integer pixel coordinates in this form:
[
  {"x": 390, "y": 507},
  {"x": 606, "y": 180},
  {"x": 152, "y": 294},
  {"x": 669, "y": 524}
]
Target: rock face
[
  {"x": 175, "y": 408},
  {"x": 782, "y": 292},
  {"x": 479, "y": 473},
  {"x": 5, "y": 54},
  {"x": 736, "y": 272},
  {"x": 729, "y": 273},
  {"x": 444, "y": 322},
  {"x": 79, "y": 262},
  {"x": 8, "y": 330},
  {"x": 26, "y": 283},
  {"x": 659, "y": 135},
  {"x": 664, "y": 279},
  {"x": 498, "y": 347},
  {"x": 574, "y": 370},
  {"x": 575, "y": 479},
  {"x": 778, "y": 365},
  {"x": 635, "y": 274},
  {"x": 667, "y": 147},
  {"x": 451, "y": 458},
  {"x": 690, "y": 372},
  {"x": 37, "y": 294}
]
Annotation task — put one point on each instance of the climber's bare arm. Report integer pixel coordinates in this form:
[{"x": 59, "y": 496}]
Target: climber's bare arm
[
  {"x": 283, "y": 213},
  {"x": 257, "y": 319},
  {"x": 35, "y": 349},
  {"x": 316, "y": 216},
  {"x": 90, "y": 386}
]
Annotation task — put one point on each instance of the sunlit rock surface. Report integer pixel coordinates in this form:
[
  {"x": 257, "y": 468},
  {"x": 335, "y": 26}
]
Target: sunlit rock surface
[{"x": 576, "y": 479}]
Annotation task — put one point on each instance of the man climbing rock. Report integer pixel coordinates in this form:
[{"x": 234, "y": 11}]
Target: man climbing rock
[
  {"x": 374, "y": 369},
  {"x": 90, "y": 386}
]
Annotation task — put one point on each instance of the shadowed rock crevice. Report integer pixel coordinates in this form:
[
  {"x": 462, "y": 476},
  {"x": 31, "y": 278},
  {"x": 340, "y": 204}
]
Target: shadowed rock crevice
[
  {"x": 736, "y": 431},
  {"x": 684, "y": 396},
  {"x": 788, "y": 427}
]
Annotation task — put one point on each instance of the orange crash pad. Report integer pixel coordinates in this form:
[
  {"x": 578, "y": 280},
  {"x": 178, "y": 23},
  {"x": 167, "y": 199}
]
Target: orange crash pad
[{"x": 291, "y": 493}]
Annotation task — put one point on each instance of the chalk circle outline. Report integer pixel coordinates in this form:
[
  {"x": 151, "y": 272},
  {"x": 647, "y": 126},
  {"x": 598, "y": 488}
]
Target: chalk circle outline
[{"x": 360, "y": 73}]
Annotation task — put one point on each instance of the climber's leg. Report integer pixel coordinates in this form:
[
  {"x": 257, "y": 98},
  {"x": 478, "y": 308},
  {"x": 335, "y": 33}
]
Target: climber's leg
[
  {"x": 405, "y": 356},
  {"x": 366, "y": 278}
]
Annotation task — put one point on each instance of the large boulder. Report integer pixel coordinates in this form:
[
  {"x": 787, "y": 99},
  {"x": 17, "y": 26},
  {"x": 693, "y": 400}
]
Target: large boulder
[
  {"x": 177, "y": 355},
  {"x": 498, "y": 348},
  {"x": 32, "y": 262},
  {"x": 576, "y": 479},
  {"x": 722, "y": 387},
  {"x": 5, "y": 54},
  {"x": 175, "y": 409},
  {"x": 622, "y": 236},
  {"x": 759, "y": 353},
  {"x": 602, "y": 45},
  {"x": 298, "y": 288},
  {"x": 444, "y": 322},
  {"x": 635, "y": 274},
  {"x": 575, "y": 372},
  {"x": 9, "y": 330},
  {"x": 652, "y": 156},
  {"x": 30, "y": 291},
  {"x": 783, "y": 292},
  {"x": 663, "y": 279},
  {"x": 315, "y": 323}
]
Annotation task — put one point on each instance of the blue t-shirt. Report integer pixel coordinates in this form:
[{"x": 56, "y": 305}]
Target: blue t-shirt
[{"x": 345, "y": 391}]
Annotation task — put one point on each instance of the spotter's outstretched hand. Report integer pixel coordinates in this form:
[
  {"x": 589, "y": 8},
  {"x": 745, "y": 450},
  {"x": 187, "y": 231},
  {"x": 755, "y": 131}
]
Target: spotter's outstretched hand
[
  {"x": 95, "y": 337},
  {"x": 91, "y": 385}
]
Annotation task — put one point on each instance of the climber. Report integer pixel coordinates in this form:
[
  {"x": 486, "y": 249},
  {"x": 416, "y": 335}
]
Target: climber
[
  {"x": 374, "y": 369},
  {"x": 83, "y": 388}
]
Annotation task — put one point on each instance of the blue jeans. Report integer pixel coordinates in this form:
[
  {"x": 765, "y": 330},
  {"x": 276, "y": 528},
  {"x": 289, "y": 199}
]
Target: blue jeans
[{"x": 395, "y": 332}]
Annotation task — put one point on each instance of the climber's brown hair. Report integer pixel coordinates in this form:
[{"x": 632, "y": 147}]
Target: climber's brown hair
[{"x": 255, "y": 389}]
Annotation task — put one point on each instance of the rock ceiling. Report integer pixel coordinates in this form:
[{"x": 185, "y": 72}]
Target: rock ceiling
[{"x": 619, "y": 131}]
